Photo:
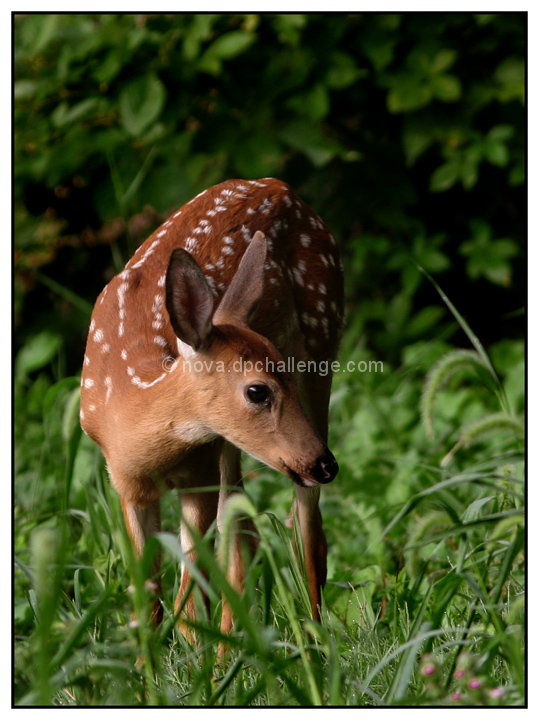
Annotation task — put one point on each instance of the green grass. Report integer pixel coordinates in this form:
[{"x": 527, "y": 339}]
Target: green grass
[{"x": 425, "y": 597}]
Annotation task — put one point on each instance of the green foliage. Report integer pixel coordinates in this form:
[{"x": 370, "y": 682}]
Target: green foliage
[
  {"x": 406, "y": 132},
  {"x": 426, "y": 559}
]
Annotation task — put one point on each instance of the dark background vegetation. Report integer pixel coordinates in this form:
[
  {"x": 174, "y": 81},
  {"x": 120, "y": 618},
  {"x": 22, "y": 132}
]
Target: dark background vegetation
[{"x": 407, "y": 134}]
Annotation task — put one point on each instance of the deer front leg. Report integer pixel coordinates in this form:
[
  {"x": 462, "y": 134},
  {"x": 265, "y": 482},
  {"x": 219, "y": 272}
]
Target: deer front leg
[
  {"x": 199, "y": 510},
  {"x": 242, "y": 541},
  {"x": 314, "y": 543},
  {"x": 141, "y": 522}
]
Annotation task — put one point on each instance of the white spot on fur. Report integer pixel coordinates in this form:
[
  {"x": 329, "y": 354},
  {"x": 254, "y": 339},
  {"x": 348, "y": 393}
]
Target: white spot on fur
[
  {"x": 108, "y": 383},
  {"x": 191, "y": 242},
  {"x": 144, "y": 385},
  {"x": 297, "y": 277},
  {"x": 147, "y": 253},
  {"x": 88, "y": 383},
  {"x": 185, "y": 350},
  {"x": 265, "y": 207}
]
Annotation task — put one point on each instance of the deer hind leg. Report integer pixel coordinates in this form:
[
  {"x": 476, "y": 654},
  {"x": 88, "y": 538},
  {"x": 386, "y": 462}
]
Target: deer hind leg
[
  {"x": 141, "y": 522},
  {"x": 315, "y": 391},
  {"x": 242, "y": 539}
]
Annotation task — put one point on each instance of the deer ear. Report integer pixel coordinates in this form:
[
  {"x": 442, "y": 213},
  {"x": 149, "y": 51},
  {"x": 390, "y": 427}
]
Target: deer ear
[
  {"x": 189, "y": 299},
  {"x": 245, "y": 290}
]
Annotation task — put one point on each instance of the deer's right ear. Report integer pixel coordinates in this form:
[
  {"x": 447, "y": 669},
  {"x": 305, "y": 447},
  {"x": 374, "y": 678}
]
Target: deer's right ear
[{"x": 189, "y": 299}]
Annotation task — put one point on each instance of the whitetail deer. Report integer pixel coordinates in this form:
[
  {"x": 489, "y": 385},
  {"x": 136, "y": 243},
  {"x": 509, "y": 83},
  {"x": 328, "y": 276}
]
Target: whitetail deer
[{"x": 186, "y": 365}]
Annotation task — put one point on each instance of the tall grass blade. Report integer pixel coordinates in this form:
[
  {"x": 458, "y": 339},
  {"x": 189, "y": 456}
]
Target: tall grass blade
[{"x": 472, "y": 337}]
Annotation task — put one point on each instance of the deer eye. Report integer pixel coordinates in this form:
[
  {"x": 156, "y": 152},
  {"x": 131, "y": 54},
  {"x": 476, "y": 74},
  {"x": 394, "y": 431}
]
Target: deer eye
[{"x": 258, "y": 394}]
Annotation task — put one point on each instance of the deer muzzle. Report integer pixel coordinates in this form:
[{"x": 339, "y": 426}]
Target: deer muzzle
[{"x": 322, "y": 471}]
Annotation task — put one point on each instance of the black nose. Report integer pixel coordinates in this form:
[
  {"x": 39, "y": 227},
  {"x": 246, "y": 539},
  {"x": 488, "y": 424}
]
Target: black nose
[{"x": 326, "y": 467}]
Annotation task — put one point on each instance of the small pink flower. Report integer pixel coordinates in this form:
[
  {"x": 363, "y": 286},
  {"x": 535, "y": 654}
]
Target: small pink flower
[
  {"x": 456, "y": 696},
  {"x": 429, "y": 669},
  {"x": 496, "y": 692},
  {"x": 474, "y": 684},
  {"x": 459, "y": 674}
]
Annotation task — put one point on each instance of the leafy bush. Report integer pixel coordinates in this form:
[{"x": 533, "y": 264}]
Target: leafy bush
[{"x": 405, "y": 132}]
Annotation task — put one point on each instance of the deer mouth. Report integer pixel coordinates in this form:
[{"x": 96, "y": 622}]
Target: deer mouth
[
  {"x": 300, "y": 480},
  {"x": 323, "y": 471}
]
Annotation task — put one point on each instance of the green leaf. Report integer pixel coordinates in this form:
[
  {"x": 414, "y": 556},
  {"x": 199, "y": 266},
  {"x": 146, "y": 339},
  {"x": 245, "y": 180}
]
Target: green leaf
[
  {"x": 63, "y": 114},
  {"x": 379, "y": 49},
  {"x": 314, "y": 103},
  {"x": 498, "y": 272},
  {"x": 497, "y": 153},
  {"x": 415, "y": 142},
  {"x": 38, "y": 352},
  {"x": 259, "y": 156},
  {"x": 445, "y": 176},
  {"x": 310, "y": 140},
  {"x": 289, "y": 27},
  {"x": 408, "y": 93},
  {"x": 226, "y": 46},
  {"x": 443, "y": 60},
  {"x": 501, "y": 132},
  {"x": 423, "y": 321},
  {"x": 342, "y": 71},
  {"x": 446, "y": 88},
  {"x": 510, "y": 78},
  {"x": 141, "y": 103},
  {"x": 24, "y": 89},
  {"x": 199, "y": 31},
  {"x": 469, "y": 170},
  {"x": 433, "y": 260}
]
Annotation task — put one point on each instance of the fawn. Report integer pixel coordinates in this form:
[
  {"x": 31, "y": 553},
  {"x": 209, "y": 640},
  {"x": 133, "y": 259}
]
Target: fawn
[{"x": 188, "y": 363}]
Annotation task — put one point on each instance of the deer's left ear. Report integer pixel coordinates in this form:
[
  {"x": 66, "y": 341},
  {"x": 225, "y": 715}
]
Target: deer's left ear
[
  {"x": 245, "y": 290},
  {"x": 189, "y": 299}
]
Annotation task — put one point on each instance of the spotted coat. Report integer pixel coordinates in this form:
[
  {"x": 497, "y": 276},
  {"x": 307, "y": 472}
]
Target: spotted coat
[{"x": 131, "y": 342}]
